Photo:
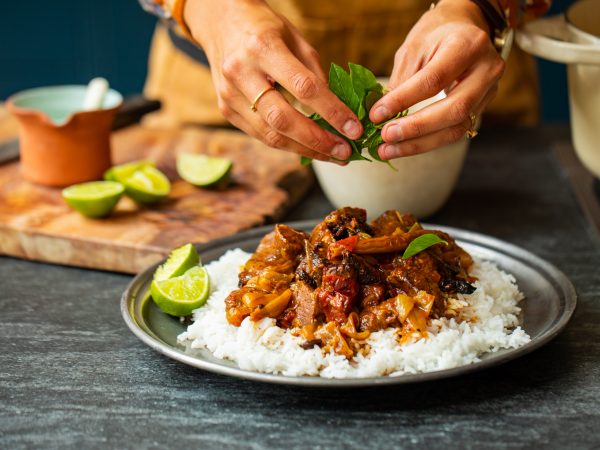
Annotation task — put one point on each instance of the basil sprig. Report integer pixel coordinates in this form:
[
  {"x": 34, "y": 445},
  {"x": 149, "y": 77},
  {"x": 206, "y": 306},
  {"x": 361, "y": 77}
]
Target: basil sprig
[
  {"x": 359, "y": 90},
  {"x": 423, "y": 242}
]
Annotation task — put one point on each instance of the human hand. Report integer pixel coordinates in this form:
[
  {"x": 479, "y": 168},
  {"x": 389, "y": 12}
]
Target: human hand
[
  {"x": 448, "y": 49},
  {"x": 250, "y": 48}
]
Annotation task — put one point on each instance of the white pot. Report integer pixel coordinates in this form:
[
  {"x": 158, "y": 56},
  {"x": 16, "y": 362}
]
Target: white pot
[
  {"x": 421, "y": 185},
  {"x": 574, "y": 39}
]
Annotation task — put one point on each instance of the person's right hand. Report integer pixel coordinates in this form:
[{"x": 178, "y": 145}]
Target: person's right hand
[{"x": 249, "y": 48}]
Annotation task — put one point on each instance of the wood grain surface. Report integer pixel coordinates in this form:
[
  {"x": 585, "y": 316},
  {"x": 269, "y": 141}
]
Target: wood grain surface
[{"x": 36, "y": 224}]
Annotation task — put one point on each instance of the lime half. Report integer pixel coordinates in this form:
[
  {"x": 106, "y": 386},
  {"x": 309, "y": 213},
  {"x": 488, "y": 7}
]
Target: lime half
[
  {"x": 123, "y": 171},
  {"x": 180, "y": 260},
  {"x": 204, "y": 171},
  {"x": 147, "y": 185},
  {"x": 93, "y": 199},
  {"x": 179, "y": 296}
]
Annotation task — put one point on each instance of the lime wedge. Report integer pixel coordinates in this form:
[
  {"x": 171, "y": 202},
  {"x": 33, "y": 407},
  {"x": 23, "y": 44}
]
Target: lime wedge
[
  {"x": 93, "y": 199},
  {"x": 179, "y": 296},
  {"x": 180, "y": 260},
  {"x": 204, "y": 171},
  {"x": 123, "y": 171},
  {"x": 147, "y": 185}
]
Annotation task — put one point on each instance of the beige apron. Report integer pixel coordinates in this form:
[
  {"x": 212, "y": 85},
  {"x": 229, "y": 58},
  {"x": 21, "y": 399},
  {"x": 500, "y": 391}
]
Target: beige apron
[{"x": 368, "y": 33}]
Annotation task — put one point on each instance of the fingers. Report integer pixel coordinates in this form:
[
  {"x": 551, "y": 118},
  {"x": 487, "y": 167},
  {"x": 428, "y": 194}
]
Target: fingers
[
  {"x": 260, "y": 130},
  {"x": 405, "y": 66},
  {"x": 285, "y": 120},
  {"x": 446, "y": 65},
  {"x": 425, "y": 143},
  {"x": 306, "y": 53},
  {"x": 450, "y": 111},
  {"x": 311, "y": 90},
  {"x": 436, "y": 139}
]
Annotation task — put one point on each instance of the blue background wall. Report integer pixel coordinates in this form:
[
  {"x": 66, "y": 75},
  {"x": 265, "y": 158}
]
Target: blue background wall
[{"x": 72, "y": 41}]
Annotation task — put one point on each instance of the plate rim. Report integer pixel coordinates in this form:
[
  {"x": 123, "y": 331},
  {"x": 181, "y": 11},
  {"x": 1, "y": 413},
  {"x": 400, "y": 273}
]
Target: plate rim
[{"x": 561, "y": 281}]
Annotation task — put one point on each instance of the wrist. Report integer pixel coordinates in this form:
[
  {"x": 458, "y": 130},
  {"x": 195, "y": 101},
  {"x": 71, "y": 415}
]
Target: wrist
[
  {"x": 467, "y": 10},
  {"x": 194, "y": 14},
  {"x": 487, "y": 15},
  {"x": 204, "y": 20}
]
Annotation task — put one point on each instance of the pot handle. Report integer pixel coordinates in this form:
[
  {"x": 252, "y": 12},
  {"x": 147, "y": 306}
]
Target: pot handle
[{"x": 548, "y": 38}]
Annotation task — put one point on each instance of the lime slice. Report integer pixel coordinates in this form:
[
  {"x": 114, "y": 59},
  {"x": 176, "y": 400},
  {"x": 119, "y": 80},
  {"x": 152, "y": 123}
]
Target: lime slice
[
  {"x": 180, "y": 260},
  {"x": 204, "y": 171},
  {"x": 93, "y": 199},
  {"x": 123, "y": 171},
  {"x": 179, "y": 296},
  {"x": 147, "y": 185}
]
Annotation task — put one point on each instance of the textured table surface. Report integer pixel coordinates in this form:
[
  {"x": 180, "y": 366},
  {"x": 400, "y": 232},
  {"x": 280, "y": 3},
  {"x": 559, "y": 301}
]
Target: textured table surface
[{"x": 73, "y": 376}]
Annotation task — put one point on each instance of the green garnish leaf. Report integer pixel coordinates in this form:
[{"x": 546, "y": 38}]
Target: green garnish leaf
[
  {"x": 373, "y": 96},
  {"x": 423, "y": 242},
  {"x": 341, "y": 85},
  {"x": 359, "y": 90}
]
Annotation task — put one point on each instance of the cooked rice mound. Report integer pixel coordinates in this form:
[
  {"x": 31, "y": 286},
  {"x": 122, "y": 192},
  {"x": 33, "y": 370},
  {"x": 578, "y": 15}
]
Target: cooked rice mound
[{"x": 473, "y": 325}]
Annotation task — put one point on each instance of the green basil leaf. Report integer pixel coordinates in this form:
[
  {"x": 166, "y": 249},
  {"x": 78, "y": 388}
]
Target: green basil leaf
[
  {"x": 359, "y": 90},
  {"x": 423, "y": 242},
  {"x": 373, "y": 95},
  {"x": 362, "y": 79},
  {"x": 341, "y": 85},
  {"x": 357, "y": 153}
]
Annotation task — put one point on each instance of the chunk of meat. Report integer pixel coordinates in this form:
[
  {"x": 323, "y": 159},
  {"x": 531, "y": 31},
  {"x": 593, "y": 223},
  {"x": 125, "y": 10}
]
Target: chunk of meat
[
  {"x": 371, "y": 295},
  {"x": 278, "y": 251},
  {"x": 396, "y": 311},
  {"x": 338, "y": 292},
  {"x": 345, "y": 222},
  {"x": 305, "y": 303},
  {"x": 390, "y": 221}
]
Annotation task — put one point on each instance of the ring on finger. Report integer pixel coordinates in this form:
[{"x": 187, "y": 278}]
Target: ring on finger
[
  {"x": 472, "y": 132},
  {"x": 259, "y": 96}
]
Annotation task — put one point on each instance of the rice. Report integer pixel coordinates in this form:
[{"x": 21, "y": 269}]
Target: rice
[{"x": 485, "y": 321}]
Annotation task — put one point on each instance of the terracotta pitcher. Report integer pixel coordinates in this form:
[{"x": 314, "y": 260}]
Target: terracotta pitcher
[{"x": 59, "y": 143}]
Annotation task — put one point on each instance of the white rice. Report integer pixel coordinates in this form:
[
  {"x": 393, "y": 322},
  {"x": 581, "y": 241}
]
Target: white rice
[{"x": 485, "y": 321}]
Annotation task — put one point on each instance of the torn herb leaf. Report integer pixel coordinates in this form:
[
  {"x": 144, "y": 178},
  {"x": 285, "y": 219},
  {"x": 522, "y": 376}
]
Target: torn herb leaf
[
  {"x": 423, "y": 242},
  {"x": 359, "y": 90}
]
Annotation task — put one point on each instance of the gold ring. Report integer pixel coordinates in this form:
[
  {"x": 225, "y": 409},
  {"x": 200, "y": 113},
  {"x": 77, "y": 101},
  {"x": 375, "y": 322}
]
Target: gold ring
[
  {"x": 259, "y": 96},
  {"x": 472, "y": 132}
]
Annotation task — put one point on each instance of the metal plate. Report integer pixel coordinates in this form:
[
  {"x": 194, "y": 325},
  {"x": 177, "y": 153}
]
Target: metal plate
[{"x": 548, "y": 306}]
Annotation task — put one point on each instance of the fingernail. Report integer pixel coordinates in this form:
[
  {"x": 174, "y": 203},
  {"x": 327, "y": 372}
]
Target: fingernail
[
  {"x": 381, "y": 113},
  {"x": 340, "y": 151},
  {"x": 352, "y": 129},
  {"x": 393, "y": 133},
  {"x": 338, "y": 162},
  {"x": 390, "y": 151}
]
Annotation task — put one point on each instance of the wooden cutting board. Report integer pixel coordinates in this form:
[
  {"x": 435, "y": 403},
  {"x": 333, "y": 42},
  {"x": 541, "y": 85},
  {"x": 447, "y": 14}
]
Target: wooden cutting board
[{"x": 36, "y": 224}]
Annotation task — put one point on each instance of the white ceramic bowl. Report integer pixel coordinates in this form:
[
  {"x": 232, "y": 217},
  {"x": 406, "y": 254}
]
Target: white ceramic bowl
[{"x": 421, "y": 185}]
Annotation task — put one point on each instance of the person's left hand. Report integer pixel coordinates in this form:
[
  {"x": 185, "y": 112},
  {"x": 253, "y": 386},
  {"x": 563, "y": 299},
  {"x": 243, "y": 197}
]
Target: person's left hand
[{"x": 448, "y": 49}]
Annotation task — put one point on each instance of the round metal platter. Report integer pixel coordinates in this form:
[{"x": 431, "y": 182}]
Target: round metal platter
[{"x": 549, "y": 302}]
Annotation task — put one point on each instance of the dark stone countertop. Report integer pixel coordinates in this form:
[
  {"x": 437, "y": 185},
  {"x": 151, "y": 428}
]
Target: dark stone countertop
[{"x": 73, "y": 376}]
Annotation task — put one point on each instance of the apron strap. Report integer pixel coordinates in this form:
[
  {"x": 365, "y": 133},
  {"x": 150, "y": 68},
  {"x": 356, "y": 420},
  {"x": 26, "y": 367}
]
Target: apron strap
[{"x": 188, "y": 48}]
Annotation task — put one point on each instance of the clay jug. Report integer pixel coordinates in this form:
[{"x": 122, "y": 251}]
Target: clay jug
[{"x": 59, "y": 144}]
